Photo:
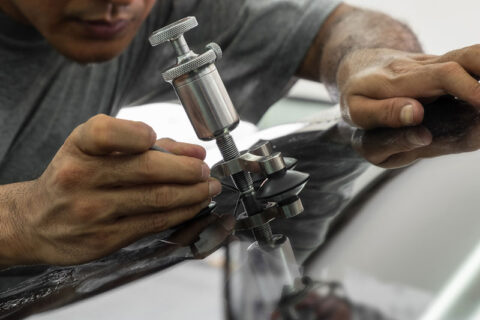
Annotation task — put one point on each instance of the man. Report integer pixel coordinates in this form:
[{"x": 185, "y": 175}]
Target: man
[{"x": 63, "y": 61}]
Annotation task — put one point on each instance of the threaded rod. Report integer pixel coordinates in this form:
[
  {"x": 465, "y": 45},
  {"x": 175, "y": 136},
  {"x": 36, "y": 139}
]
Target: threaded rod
[{"x": 244, "y": 183}]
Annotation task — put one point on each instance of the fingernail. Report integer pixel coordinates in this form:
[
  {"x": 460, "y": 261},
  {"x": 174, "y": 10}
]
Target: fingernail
[
  {"x": 406, "y": 115},
  {"x": 153, "y": 136},
  {"x": 416, "y": 139},
  {"x": 214, "y": 187},
  {"x": 205, "y": 172}
]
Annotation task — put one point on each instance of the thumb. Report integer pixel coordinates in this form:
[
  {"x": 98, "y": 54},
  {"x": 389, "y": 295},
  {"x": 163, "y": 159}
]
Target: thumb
[{"x": 393, "y": 112}]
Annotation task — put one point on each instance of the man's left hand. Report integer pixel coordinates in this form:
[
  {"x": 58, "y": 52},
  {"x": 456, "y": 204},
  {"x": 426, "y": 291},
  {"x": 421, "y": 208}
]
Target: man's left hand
[{"x": 386, "y": 88}]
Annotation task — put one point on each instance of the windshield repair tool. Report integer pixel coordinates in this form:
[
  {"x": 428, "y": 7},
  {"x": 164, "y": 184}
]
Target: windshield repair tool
[{"x": 202, "y": 93}]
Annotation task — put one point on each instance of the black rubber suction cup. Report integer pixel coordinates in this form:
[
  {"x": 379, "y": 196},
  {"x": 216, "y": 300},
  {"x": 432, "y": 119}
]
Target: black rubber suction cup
[{"x": 279, "y": 188}]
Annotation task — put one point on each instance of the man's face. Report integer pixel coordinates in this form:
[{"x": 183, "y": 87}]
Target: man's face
[{"x": 83, "y": 30}]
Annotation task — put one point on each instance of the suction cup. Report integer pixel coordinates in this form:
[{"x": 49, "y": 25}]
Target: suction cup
[{"x": 279, "y": 188}]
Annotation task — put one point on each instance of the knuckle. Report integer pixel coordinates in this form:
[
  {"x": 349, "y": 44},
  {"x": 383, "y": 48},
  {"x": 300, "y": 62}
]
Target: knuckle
[
  {"x": 98, "y": 118},
  {"x": 377, "y": 83},
  {"x": 100, "y": 240},
  {"x": 476, "y": 91},
  {"x": 144, "y": 133},
  {"x": 159, "y": 222},
  {"x": 100, "y": 130},
  {"x": 471, "y": 52},
  {"x": 202, "y": 191},
  {"x": 389, "y": 114},
  {"x": 166, "y": 141},
  {"x": 393, "y": 81},
  {"x": 69, "y": 176},
  {"x": 450, "y": 67},
  {"x": 86, "y": 210},
  {"x": 75, "y": 133},
  {"x": 397, "y": 67},
  {"x": 194, "y": 167},
  {"x": 164, "y": 198},
  {"x": 147, "y": 165},
  {"x": 388, "y": 83}
]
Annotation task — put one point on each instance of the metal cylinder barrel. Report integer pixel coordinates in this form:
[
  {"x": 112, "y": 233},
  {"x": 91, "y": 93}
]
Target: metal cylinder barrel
[{"x": 206, "y": 102}]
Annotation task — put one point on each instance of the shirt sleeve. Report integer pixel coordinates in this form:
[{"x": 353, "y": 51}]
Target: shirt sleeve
[{"x": 263, "y": 43}]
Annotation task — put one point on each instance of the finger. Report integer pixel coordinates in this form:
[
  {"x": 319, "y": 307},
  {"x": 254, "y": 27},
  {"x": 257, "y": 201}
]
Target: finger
[
  {"x": 467, "y": 57},
  {"x": 103, "y": 135},
  {"x": 134, "y": 227},
  {"x": 430, "y": 80},
  {"x": 181, "y": 148},
  {"x": 148, "y": 167},
  {"x": 379, "y": 145},
  {"x": 159, "y": 198},
  {"x": 394, "y": 112},
  {"x": 459, "y": 83}
]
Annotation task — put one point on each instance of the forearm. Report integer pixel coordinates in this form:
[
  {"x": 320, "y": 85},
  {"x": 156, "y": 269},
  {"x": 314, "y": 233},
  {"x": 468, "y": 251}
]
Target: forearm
[
  {"x": 349, "y": 29},
  {"x": 12, "y": 197}
]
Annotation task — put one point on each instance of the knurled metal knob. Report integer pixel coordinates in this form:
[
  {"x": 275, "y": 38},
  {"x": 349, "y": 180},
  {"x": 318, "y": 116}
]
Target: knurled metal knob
[
  {"x": 216, "y": 49},
  {"x": 193, "y": 64},
  {"x": 197, "y": 82},
  {"x": 173, "y": 31}
]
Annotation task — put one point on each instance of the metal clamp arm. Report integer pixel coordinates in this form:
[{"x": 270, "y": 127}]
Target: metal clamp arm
[{"x": 249, "y": 162}]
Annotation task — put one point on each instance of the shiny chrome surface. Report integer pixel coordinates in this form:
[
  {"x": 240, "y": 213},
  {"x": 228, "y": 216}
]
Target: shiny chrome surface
[
  {"x": 206, "y": 102},
  {"x": 262, "y": 148},
  {"x": 269, "y": 214},
  {"x": 173, "y": 32},
  {"x": 292, "y": 209},
  {"x": 189, "y": 62},
  {"x": 209, "y": 108},
  {"x": 197, "y": 82},
  {"x": 272, "y": 164},
  {"x": 266, "y": 165}
]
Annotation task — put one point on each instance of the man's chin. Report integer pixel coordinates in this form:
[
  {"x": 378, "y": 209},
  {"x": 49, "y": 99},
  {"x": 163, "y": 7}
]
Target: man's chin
[
  {"x": 91, "y": 53},
  {"x": 90, "y": 57}
]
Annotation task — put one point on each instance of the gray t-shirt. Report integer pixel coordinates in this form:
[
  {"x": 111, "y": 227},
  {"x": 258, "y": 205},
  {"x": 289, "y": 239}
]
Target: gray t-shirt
[{"x": 44, "y": 96}]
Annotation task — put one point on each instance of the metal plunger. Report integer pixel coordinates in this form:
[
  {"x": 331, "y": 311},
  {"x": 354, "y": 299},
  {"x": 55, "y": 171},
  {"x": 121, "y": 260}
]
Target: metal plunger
[{"x": 202, "y": 93}]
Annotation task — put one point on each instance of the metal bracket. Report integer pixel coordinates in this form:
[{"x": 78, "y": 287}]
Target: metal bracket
[
  {"x": 271, "y": 212},
  {"x": 249, "y": 162}
]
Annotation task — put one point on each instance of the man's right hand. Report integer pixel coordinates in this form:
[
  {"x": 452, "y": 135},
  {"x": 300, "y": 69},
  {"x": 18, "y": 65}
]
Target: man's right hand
[{"x": 103, "y": 190}]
